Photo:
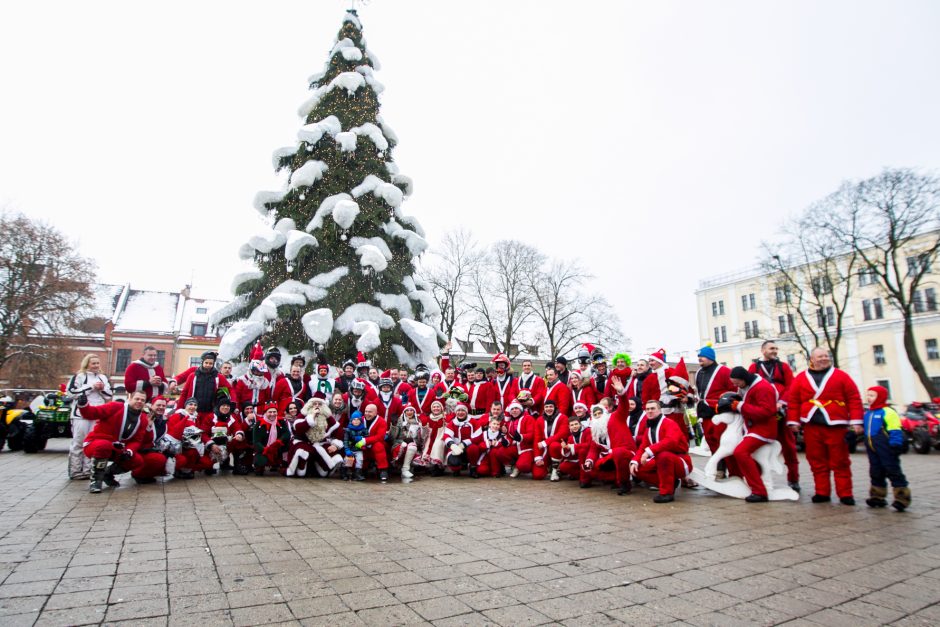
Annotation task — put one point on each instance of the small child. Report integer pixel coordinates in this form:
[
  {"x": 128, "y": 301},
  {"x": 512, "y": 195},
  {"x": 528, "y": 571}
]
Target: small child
[
  {"x": 353, "y": 440},
  {"x": 574, "y": 449},
  {"x": 884, "y": 441},
  {"x": 490, "y": 441}
]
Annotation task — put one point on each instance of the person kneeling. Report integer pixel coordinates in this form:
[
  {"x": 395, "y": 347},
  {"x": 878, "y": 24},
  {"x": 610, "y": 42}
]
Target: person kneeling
[
  {"x": 118, "y": 433},
  {"x": 663, "y": 455}
]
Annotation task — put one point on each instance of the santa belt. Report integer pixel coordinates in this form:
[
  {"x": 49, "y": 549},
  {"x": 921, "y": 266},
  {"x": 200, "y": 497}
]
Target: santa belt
[
  {"x": 823, "y": 404},
  {"x": 477, "y": 412}
]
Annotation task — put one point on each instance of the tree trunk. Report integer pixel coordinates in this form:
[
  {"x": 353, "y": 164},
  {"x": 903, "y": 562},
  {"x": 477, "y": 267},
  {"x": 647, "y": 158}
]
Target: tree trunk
[{"x": 910, "y": 347}]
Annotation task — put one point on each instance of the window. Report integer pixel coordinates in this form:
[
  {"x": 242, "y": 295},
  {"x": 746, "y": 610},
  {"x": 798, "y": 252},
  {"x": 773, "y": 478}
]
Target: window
[
  {"x": 717, "y": 335},
  {"x": 918, "y": 264},
  {"x": 750, "y": 330},
  {"x": 826, "y": 317},
  {"x": 866, "y": 276},
  {"x": 932, "y": 351},
  {"x": 714, "y": 308},
  {"x": 721, "y": 335},
  {"x": 786, "y": 323},
  {"x": 872, "y": 309},
  {"x": 718, "y": 308},
  {"x": 886, "y": 384},
  {"x": 791, "y": 361},
  {"x": 782, "y": 294},
  {"x": 123, "y": 360},
  {"x": 821, "y": 285},
  {"x": 724, "y": 334},
  {"x": 161, "y": 357},
  {"x": 194, "y": 362},
  {"x": 925, "y": 300},
  {"x": 747, "y": 331},
  {"x": 199, "y": 328},
  {"x": 748, "y": 302},
  {"x": 202, "y": 310},
  {"x": 879, "y": 352}
]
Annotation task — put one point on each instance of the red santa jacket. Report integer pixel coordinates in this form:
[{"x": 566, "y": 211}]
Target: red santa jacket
[
  {"x": 246, "y": 392},
  {"x": 368, "y": 398},
  {"x": 424, "y": 405},
  {"x": 561, "y": 394},
  {"x": 114, "y": 423},
  {"x": 663, "y": 434},
  {"x": 775, "y": 372},
  {"x": 547, "y": 434},
  {"x": 759, "y": 410},
  {"x": 505, "y": 391},
  {"x": 287, "y": 390},
  {"x": 178, "y": 421},
  {"x": 377, "y": 430},
  {"x": 137, "y": 378},
  {"x": 525, "y": 427},
  {"x": 834, "y": 402},
  {"x": 581, "y": 442},
  {"x": 652, "y": 389},
  {"x": 457, "y": 432},
  {"x": 333, "y": 433},
  {"x": 482, "y": 394},
  {"x": 536, "y": 385},
  {"x": 619, "y": 435},
  {"x": 586, "y": 394},
  {"x": 714, "y": 386},
  {"x": 391, "y": 409},
  {"x": 402, "y": 388}
]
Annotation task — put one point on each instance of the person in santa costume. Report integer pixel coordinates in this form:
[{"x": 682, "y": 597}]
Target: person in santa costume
[
  {"x": 154, "y": 460},
  {"x": 293, "y": 387},
  {"x": 482, "y": 393},
  {"x": 195, "y": 448},
  {"x": 270, "y": 437},
  {"x": 535, "y": 385},
  {"x": 358, "y": 397},
  {"x": 272, "y": 359},
  {"x": 507, "y": 385},
  {"x": 779, "y": 375},
  {"x": 573, "y": 450},
  {"x": 662, "y": 457},
  {"x": 229, "y": 430},
  {"x": 520, "y": 428},
  {"x": 389, "y": 403},
  {"x": 206, "y": 385},
  {"x": 374, "y": 380},
  {"x": 490, "y": 442},
  {"x": 407, "y": 437},
  {"x": 583, "y": 413},
  {"x": 656, "y": 383},
  {"x": 558, "y": 391},
  {"x": 712, "y": 381},
  {"x": 374, "y": 449},
  {"x": 582, "y": 389},
  {"x": 756, "y": 401},
  {"x": 561, "y": 368},
  {"x": 112, "y": 445},
  {"x": 349, "y": 375},
  {"x": 146, "y": 375},
  {"x": 611, "y": 447},
  {"x": 431, "y": 455},
  {"x": 316, "y": 441},
  {"x": 459, "y": 450},
  {"x": 551, "y": 429},
  {"x": 400, "y": 385},
  {"x": 422, "y": 395},
  {"x": 254, "y": 386},
  {"x": 826, "y": 401},
  {"x": 599, "y": 373}
]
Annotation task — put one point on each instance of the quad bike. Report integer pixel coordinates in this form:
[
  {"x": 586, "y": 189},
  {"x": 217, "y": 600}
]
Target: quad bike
[
  {"x": 49, "y": 418},
  {"x": 923, "y": 426}
]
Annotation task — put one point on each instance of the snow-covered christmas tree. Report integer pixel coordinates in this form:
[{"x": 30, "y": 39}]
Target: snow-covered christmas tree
[{"x": 333, "y": 265}]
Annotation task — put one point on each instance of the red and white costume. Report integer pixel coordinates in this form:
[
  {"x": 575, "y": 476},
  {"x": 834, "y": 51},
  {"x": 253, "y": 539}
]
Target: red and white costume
[
  {"x": 778, "y": 374},
  {"x": 462, "y": 432},
  {"x": 712, "y": 385},
  {"x": 759, "y": 410},
  {"x": 611, "y": 447},
  {"x": 561, "y": 394},
  {"x": 288, "y": 389},
  {"x": 390, "y": 406},
  {"x": 313, "y": 433},
  {"x": 490, "y": 445},
  {"x": 573, "y": 458},
  {"x": 551, "y": 432},
  {"x": 250, "y": 388},
  {"x": 115, "y": 422},
  {"x": 421, "y": 399},
  {"x": 536, "y": 386},
  {"x": 825, "y": 409},
  {"x": 432, "y": 454},
  {"x": 482, "y": 394},
  {"x": 137, "y": 378},
  {"x": 506, "y": 389},
  {"x": 374, "y": 448},
  {"x": 521, "y": 433},
  {"x": 669, "y": 448}
]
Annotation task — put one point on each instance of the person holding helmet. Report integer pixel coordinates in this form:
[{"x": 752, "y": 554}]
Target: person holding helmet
[
  {"x": 520, "y": 429},
  {"x": 507, "y": 385},
  {"x": 206, "y": 385},
  {"x": 534, "y": 385},
  {"x": 113, "y": 443}
]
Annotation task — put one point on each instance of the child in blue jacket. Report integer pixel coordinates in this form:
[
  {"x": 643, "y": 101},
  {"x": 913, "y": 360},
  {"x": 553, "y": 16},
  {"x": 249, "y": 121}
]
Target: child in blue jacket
[{"x": 884, "y": 441}]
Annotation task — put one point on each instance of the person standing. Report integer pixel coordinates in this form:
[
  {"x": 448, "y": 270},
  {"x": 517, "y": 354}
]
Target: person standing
[
  {"x": 779, "y": 375},
  {"x": 535, "y": 385},
  {"x": 146, "y": 375},
  {"x": 711, "y": 381},
  {"x": 826, "y": 401},
  {"x": 97, "y": 390},
  {"x": 205, "y": 385}
]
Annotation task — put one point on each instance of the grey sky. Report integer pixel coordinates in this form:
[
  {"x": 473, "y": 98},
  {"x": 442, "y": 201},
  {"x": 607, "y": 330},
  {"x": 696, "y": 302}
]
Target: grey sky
[{"x": 658, "y": 141}]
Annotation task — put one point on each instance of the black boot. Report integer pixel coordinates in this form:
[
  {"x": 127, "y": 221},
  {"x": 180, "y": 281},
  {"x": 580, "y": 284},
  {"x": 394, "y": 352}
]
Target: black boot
[
  {"x": 359, "y": 476},
  {"x": 756, "y": 498},
  {"x": 664, "y": 498},
  {"x": 625, "y": 487},
  {"x": 383, "y": 476},
  {"x": 109, "y": 479},
  {"x": 98, "y": 468},
  {"x": 344, "y": 473}
]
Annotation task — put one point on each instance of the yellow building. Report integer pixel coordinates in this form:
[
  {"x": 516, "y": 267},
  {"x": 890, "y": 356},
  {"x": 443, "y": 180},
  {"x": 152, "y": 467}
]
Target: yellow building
[{"x": 738, "y": 311}]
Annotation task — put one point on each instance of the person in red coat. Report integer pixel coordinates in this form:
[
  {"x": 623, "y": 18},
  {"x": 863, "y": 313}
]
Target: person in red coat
[
  {"x": 389, "y": 404},
  {"x": 482, "y": 393},
  {"x": 779, "y": 375},
  {"x": 374, "y": 448},
  {"x": 146, "y": 375},
  {"x": 490, "y": 441},
  {"x": 118, "y": 434},
  {"x": 711, "y": 382},
  {"x": 655, "y": 384},
  {"x": 422, "y": 395},
  {"x": 459, "y": 448},
  {"x": 582, "y": 389},
  {"x": 663, "y": 455},
  {"x": 507, "y": 386},
  {"x": 573, "y": 450},
  {"x": 206, "y": 385},
  {"x": 535, "y": 384},
  {"x": 758, "y": 408},
  {"x": 826, "y": 401},
  {"x": 254, "y": 386},
  {"x": 293, "y": 387},
  {"x": 358, "y": 397},
  {"x": 556, "y": 390},
  {"x": 551, "y": 430},
  {"x": 521, "y": 432},
  {"x": 611, "y": 448}
]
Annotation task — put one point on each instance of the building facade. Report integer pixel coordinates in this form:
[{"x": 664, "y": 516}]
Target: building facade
[{"x": 738, "y": 311}]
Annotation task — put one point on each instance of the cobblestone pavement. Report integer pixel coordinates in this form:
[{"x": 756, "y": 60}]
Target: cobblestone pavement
[{"x": 247, "y": 551}]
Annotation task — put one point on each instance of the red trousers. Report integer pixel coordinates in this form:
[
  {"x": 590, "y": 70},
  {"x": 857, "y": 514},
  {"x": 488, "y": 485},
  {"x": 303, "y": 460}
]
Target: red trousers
[
  {"x": 615, "y": 466},
  {"x": 375, "y": 453},
  {"x": 510, "y": 456},
  {"x": 490, "y": 465},
  {"x": 664, "y": 470},
  {"x": 154, "y": 465},
  {"x": 190, "y": 459},
  {"x": 827, "y": 452},
  {"x": 788, "y": 445},
  {"x": 750, "y": 469},
  {"x": 103, "y": 449},
  {"x": 572, "y": 468}
]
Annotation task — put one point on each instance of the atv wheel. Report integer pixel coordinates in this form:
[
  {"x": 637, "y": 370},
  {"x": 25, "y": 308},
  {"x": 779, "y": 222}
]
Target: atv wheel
[
  {"x": 32, "y": 441},
  {"x": 921, "y": 442},
  {"x": 15, "y": 436}
]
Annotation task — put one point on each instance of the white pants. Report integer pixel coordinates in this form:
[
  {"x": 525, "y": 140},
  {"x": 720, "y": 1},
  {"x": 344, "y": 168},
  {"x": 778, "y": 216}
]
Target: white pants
[{"x": 78, "y": 463}]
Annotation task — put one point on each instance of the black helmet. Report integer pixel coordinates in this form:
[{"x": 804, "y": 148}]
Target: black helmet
[{"x": 724, "y": 403}]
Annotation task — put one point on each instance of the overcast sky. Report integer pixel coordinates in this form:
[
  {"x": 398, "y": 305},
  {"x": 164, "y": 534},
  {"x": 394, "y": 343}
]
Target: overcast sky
[{"x": 657, "y": 141}]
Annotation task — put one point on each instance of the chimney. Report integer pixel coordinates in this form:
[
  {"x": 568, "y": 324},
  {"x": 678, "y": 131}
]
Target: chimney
[{"x": 185, "y": 292}]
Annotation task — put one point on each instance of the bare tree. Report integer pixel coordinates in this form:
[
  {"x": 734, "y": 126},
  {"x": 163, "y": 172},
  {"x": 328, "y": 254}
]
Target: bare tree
[
  {"x": 892, "y": 223},
  {"x": 447, "y": 271},
  {"x": 566, "y": 315},
  {"x": 500, "y": 295},
  {"x": 813, "y": 270},
  {"x": 43, "y": 287}
]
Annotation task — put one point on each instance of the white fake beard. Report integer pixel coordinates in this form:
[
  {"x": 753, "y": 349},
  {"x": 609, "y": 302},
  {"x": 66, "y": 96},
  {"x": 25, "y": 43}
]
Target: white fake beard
[{"x": 599, "y": 428}]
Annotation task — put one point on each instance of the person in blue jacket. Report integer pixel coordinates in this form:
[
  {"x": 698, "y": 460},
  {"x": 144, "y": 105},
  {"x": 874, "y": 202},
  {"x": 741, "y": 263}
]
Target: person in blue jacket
[{"x": 884, "y": 441}]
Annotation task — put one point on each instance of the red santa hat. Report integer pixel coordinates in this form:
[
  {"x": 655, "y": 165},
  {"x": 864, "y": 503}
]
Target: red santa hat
[
  {"x": 257, "y": 352},
  {"x": 659, "y": 356},
  {"x": 409, "y": 407},
  {"x": 680, "y": 373},
  {"x": 514, "y": 405},
  {"x": 158, "y": 398},
  {"x": 456, "y": 407},
  {"x": 581, "y": 405},
  {"x": 575, "y": 373},
  {"x": 266, "y": 406},
  {"x": 362, "y": 361}
]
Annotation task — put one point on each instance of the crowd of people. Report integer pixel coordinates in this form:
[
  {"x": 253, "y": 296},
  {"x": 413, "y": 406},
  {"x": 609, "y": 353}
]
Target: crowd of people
[{"x": 626, "y": 423}]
